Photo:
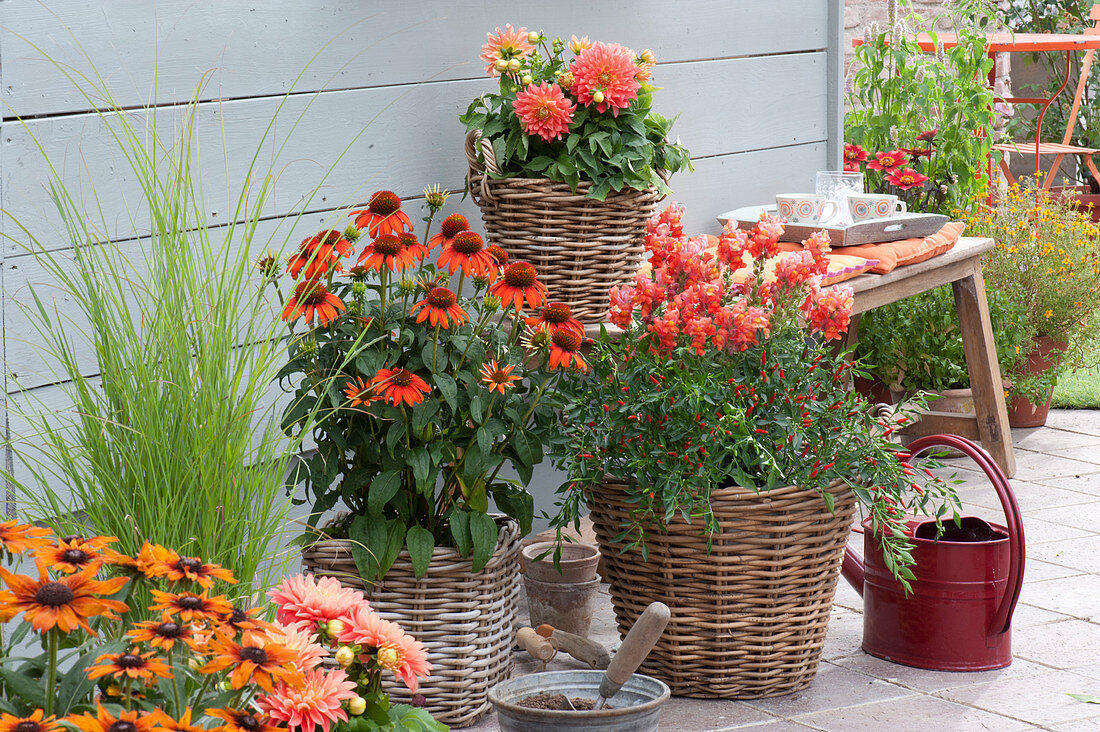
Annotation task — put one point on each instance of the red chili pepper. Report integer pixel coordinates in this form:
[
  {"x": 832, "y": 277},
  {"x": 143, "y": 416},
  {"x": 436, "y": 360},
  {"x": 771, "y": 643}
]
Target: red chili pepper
[{"x": 654, "y": 380}]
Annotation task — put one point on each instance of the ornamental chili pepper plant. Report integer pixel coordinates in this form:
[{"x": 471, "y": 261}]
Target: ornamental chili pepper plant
[
  {"x": 436, "y": 362},
  {"x": 79, "y": 657},
  {"x": 724, "y": 374}
]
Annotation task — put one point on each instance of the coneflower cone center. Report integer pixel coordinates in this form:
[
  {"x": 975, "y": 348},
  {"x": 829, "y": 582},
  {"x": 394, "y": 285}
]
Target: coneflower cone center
[
  {"x": 498, "y": 253},
  {"x": 122, "y": 726},
  {"x": 401, "y": 378},
  {"x": 27, "y": 727},
  {"x": 247, "y": 722},
  {"x": 556, "y": 313},
  {"x": 441, "y": 297},
  {"x": 169, "y": 630},
  {"x": 387, "y": 245},
  {"x": 384, "y": 203},
  {"x": 310, "y": 293},
  {"x": 74, "y": 556},
  {"x": 53, "y": 594},
  {"x": 190, "y": 602},
  {"x": 454, "y": 225},
  {"x": 566, "y": 340},
  {"x": 238, "y": 616},
  {"x": 254, "y": 654},
  {"x": 189, "y": 564},
  {"x": 467, "y": 242},
  {"x": 520, "y": 275},
  {"x": 129, "y": 660},
  {"x": 407, "y": 239}
]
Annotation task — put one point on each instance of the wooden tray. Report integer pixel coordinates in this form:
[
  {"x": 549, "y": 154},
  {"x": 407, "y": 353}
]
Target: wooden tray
[{"x": 871, "y": 231}]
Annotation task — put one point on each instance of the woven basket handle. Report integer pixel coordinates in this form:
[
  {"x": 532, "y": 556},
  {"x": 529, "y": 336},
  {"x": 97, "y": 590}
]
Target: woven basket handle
[{"x": 478, "y": 150}]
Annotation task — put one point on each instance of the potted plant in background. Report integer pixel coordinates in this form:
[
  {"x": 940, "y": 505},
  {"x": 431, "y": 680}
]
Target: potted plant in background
[
  {"x": 565, "y": 143},
  {"x": 1047, "y": 264},
  {"x": 425, "y": 393},
  {"x": 722, "y": 455}
]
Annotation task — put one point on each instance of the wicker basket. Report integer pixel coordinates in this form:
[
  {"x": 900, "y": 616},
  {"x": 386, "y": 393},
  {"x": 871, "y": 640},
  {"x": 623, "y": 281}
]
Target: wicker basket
[
  {"x": 749, "y": 617},
  {"x": 465, "y": 619},
  {"x": 581, "y": 247}
]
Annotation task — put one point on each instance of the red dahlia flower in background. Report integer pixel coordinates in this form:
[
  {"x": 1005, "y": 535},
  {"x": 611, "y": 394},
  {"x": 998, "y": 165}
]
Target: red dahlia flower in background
[
  {"x": 887, "y": 161},
  {"x": 313, "y": 300},
  {"x": 604, "y": 75},
  {"x": 853, "y": 156},
  {"x": 400, "y": 386},
  {"x": 506, "y": 45},
  {"x": 543, "y": 110},
  {"x": 519, "y": 282},
  {"x": 906, "y": 179},
  {"x": 383, "y": 215},
  {"x": 440, "y": 308},
  {"x": 928, "y": 135}
]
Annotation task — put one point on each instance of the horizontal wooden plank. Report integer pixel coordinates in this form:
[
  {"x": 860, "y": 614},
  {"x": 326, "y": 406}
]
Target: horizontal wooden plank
[
  {"x": 413, "y": 138},
  {"x": 148, "y": 51}
]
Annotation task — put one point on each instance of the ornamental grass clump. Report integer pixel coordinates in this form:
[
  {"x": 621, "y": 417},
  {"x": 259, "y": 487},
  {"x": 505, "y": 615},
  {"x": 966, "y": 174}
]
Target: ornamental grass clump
[
  {"x": 433, "y": 363},
  {"x": 724, "y": 375},
  {"x": 588, "y": 118},
  {"x": 202, "y": 662}
]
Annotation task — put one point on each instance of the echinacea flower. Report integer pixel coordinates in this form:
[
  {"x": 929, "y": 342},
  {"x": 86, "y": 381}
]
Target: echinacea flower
[
  {"x": 262, "y": 661},
  {"x": 360, "y": 392},
  {"x": 131, "y": 664},
  {"x": 318, "y": 254},
  {"x": 887, "y": 161},
  {"x": 565, "y": 346},
  {"x": 440, "y": 308},
  {"x": 400, "y": 386},
  {"x": 16, "y": 538},
  {"x": 317, "y": 702},
  {"x": 518, "y": 283},
  {"x": 383, "y": 215},
  {"x": 498, "y": 253},
  {"x": 71, "y": 554},
  {"x": 906, "y": 179},
  {"x": 240, "y": 720},
  {"x": 190, "y": 607},
  {"x": 498, "y": 377},
  {"x": 164, "y": 633},
  {"x": 103, "y": 721},
  {"x": 506, "y": 45},
  {"x": 65, "y": 603},
  {"x": 183, "y": 724},
  {"x": 33, "y": 723},
  {"x": 604, "y": 75},
  {"x": 466, "y": 251},
  {"x": 305, "y": 597},
  {"x": 853, "y": 156},
  {"x": 543, "y": 110},
  {"x": 449, "y": 228},
  {"x": 395, "y": 252},
  {"x": 313, "y": 300},
  {"x": 556, "y": 315}
]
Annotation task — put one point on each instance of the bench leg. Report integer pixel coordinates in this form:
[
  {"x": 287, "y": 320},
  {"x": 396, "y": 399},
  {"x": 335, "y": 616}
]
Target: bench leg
[{"x": 985, "y": 373}]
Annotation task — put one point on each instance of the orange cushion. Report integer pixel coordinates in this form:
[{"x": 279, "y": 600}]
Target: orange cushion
[{"x": 909, "y": 251}]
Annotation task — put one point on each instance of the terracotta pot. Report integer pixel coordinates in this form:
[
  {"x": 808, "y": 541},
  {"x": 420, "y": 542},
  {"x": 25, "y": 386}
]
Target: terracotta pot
[{"x": 1022, "y": 412}]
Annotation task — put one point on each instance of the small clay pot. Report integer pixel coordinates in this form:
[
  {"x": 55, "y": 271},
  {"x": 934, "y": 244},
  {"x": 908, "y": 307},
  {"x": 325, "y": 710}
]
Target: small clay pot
[{"x": 578, "y": 562}]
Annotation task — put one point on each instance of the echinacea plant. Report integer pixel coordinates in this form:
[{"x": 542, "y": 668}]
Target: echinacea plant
[
  {"x": 585, "y": 119},
  {"x": 723, "y": 375},
  {"x": 202, "y": 662},
  {"x": 433, "y": 371}
]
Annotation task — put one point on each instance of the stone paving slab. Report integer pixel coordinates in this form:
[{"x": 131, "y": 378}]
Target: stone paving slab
[{"x": 1056, "y": 634}]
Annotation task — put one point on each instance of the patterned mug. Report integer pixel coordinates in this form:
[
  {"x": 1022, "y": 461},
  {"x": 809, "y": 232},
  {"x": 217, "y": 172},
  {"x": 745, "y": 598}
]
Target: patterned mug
[
  {"x": 805, "y": 208},
  {"x": 865, "y": 206}
]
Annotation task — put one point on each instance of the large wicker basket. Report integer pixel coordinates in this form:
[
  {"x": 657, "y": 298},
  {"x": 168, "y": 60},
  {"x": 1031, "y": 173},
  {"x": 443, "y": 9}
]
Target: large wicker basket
[
  {"x": 465, "y": 619},
  {"x": 749, "y": 617},
  {"x": 581, "y": 247}
]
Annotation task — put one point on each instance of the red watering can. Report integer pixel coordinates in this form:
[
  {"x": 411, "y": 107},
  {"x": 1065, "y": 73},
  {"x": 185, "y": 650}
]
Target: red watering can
[{"x": 966, "y": 584}]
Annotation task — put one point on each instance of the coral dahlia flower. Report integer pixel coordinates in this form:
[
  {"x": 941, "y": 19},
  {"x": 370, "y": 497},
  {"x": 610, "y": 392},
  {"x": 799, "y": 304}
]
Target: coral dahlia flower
[
  {"x": 556, "y": 315},
  {"x": 383, "y": 215},
  {"x": 241, "y": 720},
  {"x": 498, "y": 377},
  {"x": 518, "y": 283},
  {"x": 565, "y": 346},
  {"x": 467, "y": 252},
  {"x": 407, "y": 658},
  {"x": 397, "y": 253},
  {"x": 316, "y": 703},
  {"x": 364, "y": 627},
  {"x": 440, "y": 308},
  {"x": 305, "y": 597},
  {"x": 103, "y": 721},
  {"x": 606, "y": 69},
  {"x": 543, "y": 110},
  {"x": 506, "y": 45},
  {"x": 263, "y": 662},
  {"x": 34, "y": 723},
  {"x": 400, "y": 386},
  {"x": 360, "y": 392},
  {"x": 300, "y": 638},
  {"x": 313, "y": 300},
  {"x": 16, "y": 538},
  {"x": 450, "y": 227},
  {"x": 888, "y": 160},
  {"x": 64, "y": 603},
  {"x": 130, "y": 664},
  {"x": 396, "y": 650},
  {"x": 318, "y": 254},
  {"x": 905, "y": 179}
]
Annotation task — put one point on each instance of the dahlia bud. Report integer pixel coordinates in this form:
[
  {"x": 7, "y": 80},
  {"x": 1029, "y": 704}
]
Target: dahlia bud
[
  {"x": 597, "y": 96},
  {"x": 533, "y": 37},
  {"x": 335, "y": 627},
  {"x": 559, "y": 46},
  {"x": 565, "y": 79},
  {"x": 527, "y": 80},
  {"x": 345, "y": 656},
  {"x": 357, "y": 705},
  {"x": 491, "y": 303},
  {"x": 480, "y": 282},
  {"x": 513, "y": 65},
  {"x": 648, "y": 57},
  {"x": 501, "y": 65},
  {"x": 388, "y": 657},
  {"x": 351, "y": 233}
]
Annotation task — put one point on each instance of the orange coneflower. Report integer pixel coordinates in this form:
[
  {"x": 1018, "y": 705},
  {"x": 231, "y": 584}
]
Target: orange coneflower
[
  {"x": 556, "y": 315},
  {"x": 451, "y": 227},
  {"x": 498, "y": 254},
  {"x": 360, "y": 392},
  {"x": 439, "y": 308},
  {"x": 241, "y": 720},
  {"x": 498, "y": 377},
  {"x": 396, "y": 252},
  {"x": 64, "y": 603},
  {"x": 400, "y": 386},
  {"x": 311, "y": 298},
  {"x": 244, "y": 623},
  {"x": 565, "y": 346},
  {"x": 34, "y": 723},
  {"x": 183, "y": 724},
  {"x": 260, "y": 661},
  {"x": 164, "y": 633},
  {"x": 17, "y": 538},
  {"x": 130, "y": 664},
  {"x": 73, "y": 553},
  {"x": 467, "y": 252},
  {"x": 520, "y": 282},
  {"x": 383, "y": 215},
  {"x": 318, "y": 254},
  {"x": 103, "y": 721},
  {"x": 190, "y": 607}
]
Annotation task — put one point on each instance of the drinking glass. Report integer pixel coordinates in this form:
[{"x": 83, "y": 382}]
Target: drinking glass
[{"x": 835, "y": 185}]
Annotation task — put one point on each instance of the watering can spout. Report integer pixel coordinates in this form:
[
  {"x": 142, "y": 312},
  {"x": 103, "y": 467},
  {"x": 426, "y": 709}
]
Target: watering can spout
[{"x": 853, "y": 569}]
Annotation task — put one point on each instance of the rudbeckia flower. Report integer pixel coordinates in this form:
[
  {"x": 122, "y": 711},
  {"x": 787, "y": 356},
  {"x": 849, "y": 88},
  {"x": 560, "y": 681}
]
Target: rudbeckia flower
[
  {"x": 241, "y": 720},
  {"x": 65, "y": 603},
  {"x": 164, "y": 633},
  {"x": 263, "y": 662},
  {"x": 104, "y": 722},
  {"x": 17, "y": 538},
  {"x": 131, "y": 664},
  {"x": 383, "y": 215},
  {"x": 33, "y": 723},
  {"x": 190, "y": 607}
]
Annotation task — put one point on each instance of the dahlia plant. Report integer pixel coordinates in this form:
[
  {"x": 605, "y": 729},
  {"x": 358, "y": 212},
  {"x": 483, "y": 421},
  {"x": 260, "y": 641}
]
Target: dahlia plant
[
  {"x": 723, "y": 375},
  {"x": 427, "y": 388},
  {"x": 588, "y": 118},
  {"x": 201, "y": 663}
]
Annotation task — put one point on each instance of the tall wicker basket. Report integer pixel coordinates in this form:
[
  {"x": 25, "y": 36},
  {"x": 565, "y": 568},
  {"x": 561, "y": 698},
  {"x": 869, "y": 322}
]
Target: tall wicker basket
[
  {"x": 749, "y": 617},
  {"x": 581, "y": 247},
  {"x": 465, "y": 619}
]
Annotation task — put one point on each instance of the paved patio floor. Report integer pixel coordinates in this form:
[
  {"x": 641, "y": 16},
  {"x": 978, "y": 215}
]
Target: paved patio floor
[{"x": 1056, "y": 628}]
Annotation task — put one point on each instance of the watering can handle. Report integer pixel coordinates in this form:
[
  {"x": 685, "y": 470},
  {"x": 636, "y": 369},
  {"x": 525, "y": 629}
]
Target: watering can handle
[{"x": 1015, "y": 524}]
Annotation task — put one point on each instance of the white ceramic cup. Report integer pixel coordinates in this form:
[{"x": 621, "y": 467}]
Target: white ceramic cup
[
  {"x": 805, "y": 208},
  {"x": 865, "y": 206}
]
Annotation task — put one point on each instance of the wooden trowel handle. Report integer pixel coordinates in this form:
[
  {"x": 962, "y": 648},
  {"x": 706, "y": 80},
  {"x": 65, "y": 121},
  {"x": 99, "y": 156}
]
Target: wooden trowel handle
[
  {"x": 539, "y": 648},
  {"x": 579, "y": 647},
  {"x": 636, "y": 646}
]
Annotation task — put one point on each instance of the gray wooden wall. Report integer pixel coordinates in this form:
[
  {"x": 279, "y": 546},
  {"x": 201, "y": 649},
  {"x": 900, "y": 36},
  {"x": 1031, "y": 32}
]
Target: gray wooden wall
[{"x": 756, "y": 84}]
